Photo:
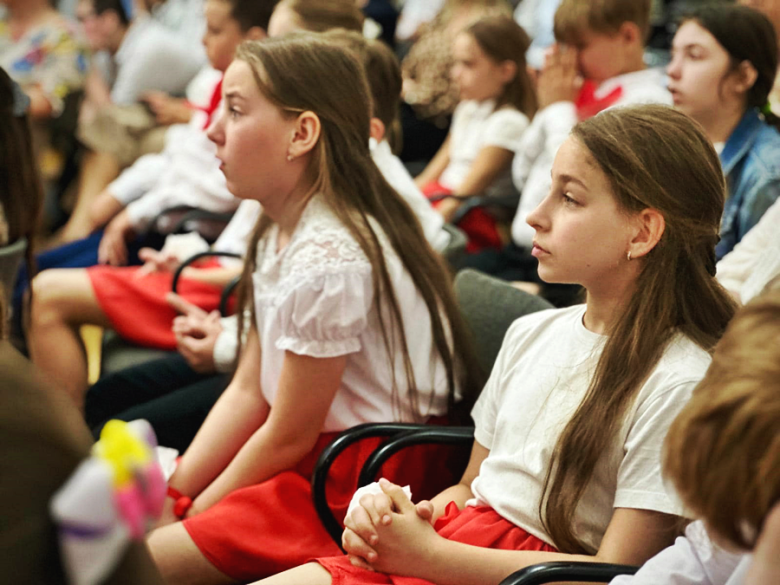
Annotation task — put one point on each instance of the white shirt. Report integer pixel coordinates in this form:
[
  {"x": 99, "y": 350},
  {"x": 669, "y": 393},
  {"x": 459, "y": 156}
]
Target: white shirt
[
  {"x": 315, "y": 297},
  {"x": 693, "y": 559},
  {"x": 415, "y": 13},
  {"x": 550, "y": 128},
  {"x": 399, "y": 178},
  {"x": 539, "y": 379},
  {"x": 186, "y": 172},
  {"x": 152, "y": 58},
  {"x": 753, "y": 266},
  {"x": 476, "y": 125}
]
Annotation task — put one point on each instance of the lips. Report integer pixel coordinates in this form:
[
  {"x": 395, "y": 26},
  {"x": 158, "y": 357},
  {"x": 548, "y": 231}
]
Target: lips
[{"x": 538, "y": 251}]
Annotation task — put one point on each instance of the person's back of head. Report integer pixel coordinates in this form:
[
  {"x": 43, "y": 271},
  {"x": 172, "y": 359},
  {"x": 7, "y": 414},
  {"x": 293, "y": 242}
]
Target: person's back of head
[
  {"x": 20, "y": 187},
  {"x": 302, "y": 72},
  {"x": 252, "y": 13},
  {"x": 316, "y": 16},
  {"x": 722, "y": 452},
  {"x": 654, "y": 158}
]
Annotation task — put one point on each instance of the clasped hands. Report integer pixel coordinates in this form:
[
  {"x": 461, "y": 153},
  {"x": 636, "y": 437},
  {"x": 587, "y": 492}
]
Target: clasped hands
[{"x": 388, "y": 533}]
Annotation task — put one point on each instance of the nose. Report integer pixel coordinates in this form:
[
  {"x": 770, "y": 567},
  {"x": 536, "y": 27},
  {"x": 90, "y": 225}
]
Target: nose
[
  {"x": 539, "y": 218},
  {"x": 216, "y": 130},
  {"x": 673, "y": 68}
]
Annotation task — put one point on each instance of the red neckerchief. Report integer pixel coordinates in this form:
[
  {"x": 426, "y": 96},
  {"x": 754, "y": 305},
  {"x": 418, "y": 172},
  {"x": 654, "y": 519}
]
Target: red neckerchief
[
  {"x": 216, "y": 98},
  {"x": 589, "y": 105}
]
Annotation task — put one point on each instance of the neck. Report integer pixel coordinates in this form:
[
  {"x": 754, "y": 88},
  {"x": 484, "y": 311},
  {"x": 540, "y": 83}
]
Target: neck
[
  {"x": 633, "y": 63},
  {"x": 116, "y": 39},
  {"x": 606, "y": 301},
  {"x": 28, "y": 12},
  {"x": 721, "y": 123},
  {"x": 287, "y": 211}
]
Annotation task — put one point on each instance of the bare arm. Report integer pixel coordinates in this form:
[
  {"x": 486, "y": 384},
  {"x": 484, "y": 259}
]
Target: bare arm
[
  {"x": 437, "y": 165},
  {"x": 217, "y": 276},
  {"x": 307, "y": 386}
]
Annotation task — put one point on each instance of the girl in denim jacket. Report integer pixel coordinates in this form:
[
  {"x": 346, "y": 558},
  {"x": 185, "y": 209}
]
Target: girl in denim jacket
[{"x": 724, "y": 61}]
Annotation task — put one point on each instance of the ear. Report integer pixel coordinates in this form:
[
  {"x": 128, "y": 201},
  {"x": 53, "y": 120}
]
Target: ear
[
  {"x": 649, "y": 228},
  {"x": 746, "y": 76},
  {"x": 508, "y": 71},
  {"x": 377, "y": 129},
  {"x": 256, "y": 33},
  {"x": 630, "y": 34},
  {"x": 305, "y": 134}
]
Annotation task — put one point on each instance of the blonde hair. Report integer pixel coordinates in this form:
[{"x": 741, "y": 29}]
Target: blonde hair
[
  {"x": 654, "y": 157},
  {"x": 723, "y": 450},
  {"x": 574, "y": 18},
  {"x": 301, "y": 72}
]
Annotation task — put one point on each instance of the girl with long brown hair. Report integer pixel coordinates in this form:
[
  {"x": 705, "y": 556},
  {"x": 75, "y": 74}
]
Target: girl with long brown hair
[
  {"x": 354, "y": 319},
  {"x": 567, "y": 452}
]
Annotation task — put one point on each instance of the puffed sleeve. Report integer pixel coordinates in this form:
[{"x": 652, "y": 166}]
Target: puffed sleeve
[
  {"x": 325, "y": 315},
  {"x": 504, "y": 128}
]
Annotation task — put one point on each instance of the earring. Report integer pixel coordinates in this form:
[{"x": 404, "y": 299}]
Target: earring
[
  {"x": 629, "y": 256},
  {"x": 290, "y": 158}
]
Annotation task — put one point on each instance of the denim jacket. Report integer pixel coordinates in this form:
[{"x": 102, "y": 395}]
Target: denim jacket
[{"x": 751, "y": 163}]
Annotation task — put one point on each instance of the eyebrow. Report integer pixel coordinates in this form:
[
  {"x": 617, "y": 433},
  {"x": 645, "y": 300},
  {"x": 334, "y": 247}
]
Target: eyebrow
[
  {"x": 570, "y": 179},
  {"x": 234, "y": 95},
  {"x": 689, "y": 46}
]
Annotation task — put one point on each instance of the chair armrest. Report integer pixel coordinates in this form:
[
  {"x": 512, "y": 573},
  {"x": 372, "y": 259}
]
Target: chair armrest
[
  {"x": 181, "y": 226},
  {"x": 157, "y": 221},
  {"x": 328, "y": 457},
  {"x": 198, "y": 256},
  {"x": 509, "y": 202},
  {"x": 226, "y": 292},
  {"x": 422, "y": 436},
  {"x": 568, "y": 571}
]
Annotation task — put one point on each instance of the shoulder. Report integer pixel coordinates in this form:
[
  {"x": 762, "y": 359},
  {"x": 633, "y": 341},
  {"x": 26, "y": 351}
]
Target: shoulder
[
  {"x": 541, "y": 325},
  {"x": 644, "y": 87},
  {"x": 765, "y": 154}
]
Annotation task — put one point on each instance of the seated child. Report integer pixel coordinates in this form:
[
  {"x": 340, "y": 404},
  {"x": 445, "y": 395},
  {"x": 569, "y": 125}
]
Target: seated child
[
  {"x": 354, "y": 319},
  {"x": 584, "y": 395},
  {"x": 723, "y": 68},
  {"x": 496, "y": 103},
  {"x": 722, "y": 456},
  {"x": 603, "y": 43}
]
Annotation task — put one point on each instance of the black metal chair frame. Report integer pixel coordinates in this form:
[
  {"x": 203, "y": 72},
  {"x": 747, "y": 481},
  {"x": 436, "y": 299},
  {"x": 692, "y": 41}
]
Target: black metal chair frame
[{"x": 229, "y": 288}]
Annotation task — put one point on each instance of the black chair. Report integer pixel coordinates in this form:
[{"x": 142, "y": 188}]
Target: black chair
[
  {"x": 489, "y": 306},
  {"x": 558, "y": 572}
]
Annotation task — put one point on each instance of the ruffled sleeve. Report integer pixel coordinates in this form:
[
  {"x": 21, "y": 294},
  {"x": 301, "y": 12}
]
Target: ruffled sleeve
[
  {"x": 326, "y": 314},
  {"x": 504, "y": 128}
]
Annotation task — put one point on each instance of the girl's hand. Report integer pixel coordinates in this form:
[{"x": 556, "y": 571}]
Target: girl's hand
[
  {"x": 166, "y": 109},
  {"x": 113, "y": 245},
  {"x": 156, "y": 261},
  {"x": 407, "y": 541}
]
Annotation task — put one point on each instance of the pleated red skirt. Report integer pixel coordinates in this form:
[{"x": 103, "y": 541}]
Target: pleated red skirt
[
  {"x": 478, "y": 526},
  {"x": 136, "y": 307},
  {"x": 267, "y": 528}
]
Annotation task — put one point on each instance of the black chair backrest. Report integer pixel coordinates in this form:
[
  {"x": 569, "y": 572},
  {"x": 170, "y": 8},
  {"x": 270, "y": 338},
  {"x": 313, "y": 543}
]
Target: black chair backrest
[{"x": 489, "y": 306}]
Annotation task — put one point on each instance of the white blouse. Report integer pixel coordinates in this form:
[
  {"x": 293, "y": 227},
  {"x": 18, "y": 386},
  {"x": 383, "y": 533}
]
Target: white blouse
[{"x": 315, "y": 297}]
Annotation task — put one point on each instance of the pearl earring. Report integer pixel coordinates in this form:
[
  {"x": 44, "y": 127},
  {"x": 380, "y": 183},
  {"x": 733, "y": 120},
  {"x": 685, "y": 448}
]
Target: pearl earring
[
  {"x": 290, "y": 157},
  {"x": 629, "y": 256}
]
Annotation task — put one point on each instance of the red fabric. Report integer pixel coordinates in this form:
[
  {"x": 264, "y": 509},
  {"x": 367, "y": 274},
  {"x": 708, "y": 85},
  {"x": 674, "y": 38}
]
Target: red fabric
[
  {"x": 136, "y": 305},
  {"x": 588, "y": 105},
  {"x": 480, "y": 526},
  {"x": 216, "y": 98},
  {"x": 267, "y": 528},
  {"x": 480, "y": 227}
]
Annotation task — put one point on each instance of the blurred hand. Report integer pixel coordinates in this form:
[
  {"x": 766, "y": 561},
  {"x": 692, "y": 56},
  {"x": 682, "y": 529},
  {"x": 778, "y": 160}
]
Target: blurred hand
[
  {"x": 558, "y": 81},
  {"x": 196, "y": 333},
  {"x": 166, "y": 109},
  {"x": 113, "y": 245}
]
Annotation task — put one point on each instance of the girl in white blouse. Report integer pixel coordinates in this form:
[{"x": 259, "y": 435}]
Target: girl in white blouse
[
  {"x": 353, "y": 318},
  {"x": 497, "y": 102}
]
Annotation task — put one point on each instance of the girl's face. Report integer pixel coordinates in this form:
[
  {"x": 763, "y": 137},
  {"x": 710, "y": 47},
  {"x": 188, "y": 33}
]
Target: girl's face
[
  {"x": 223, "y": 34},
  {"x": 582, "y": 236},
  {"x": 253, "y": 137},
  {"x": 700, "y": 73},
  {"x": 478, "y": 76}
]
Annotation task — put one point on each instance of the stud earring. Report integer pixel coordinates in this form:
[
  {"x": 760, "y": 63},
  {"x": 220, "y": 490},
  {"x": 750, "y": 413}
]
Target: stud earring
[
  {"x": 290, "y": 158},
  {"x": 629, "y": 256}
]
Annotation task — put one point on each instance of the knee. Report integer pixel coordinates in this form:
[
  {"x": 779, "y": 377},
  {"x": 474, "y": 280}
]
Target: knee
[{"x": 48, "y": 298}]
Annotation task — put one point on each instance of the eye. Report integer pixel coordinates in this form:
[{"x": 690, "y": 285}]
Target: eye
[
  {"x": 233, "y": 112},
  {"x": 568, "y": 199}
]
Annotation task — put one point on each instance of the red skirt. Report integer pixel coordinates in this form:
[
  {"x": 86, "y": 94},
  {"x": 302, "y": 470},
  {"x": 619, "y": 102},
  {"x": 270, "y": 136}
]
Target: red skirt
[
  {"x": 267, "y": 528},
  {"x": 136, "y": 307},
  {"x": 477, "y": 526},
  {"x": 480, "y": 227}
]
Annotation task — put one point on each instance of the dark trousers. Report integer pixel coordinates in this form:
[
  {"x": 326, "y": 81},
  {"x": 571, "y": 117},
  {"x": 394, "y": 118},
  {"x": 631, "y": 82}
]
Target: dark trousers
[{"x": 167, "y": 392}]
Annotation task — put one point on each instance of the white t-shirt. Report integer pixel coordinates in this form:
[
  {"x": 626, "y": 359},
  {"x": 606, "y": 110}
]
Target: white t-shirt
[
  {"x": 476, "y": 125},
  {"x": 550, "y": 128},
  {"x": 399, "y": 178},
  {"x": 753, "y": 266},
  {"x": 693, "y": 559},
  {"x": 539, "y": 379},
  {"x": 315, "y": 297}
]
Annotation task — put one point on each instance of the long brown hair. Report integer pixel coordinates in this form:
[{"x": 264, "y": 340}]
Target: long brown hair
[
  {"x": 21, "y": 193},
  {"x": 305, "y": 73},
  {"x": 723, "y": 450},
  {"x": 502, "y": 39},
  {"x": 654, "y": 157}
]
